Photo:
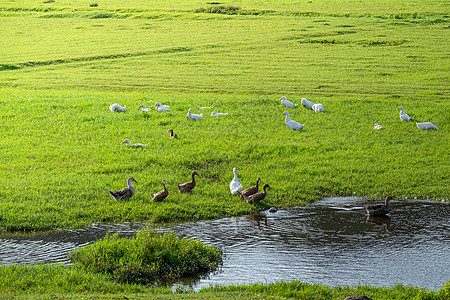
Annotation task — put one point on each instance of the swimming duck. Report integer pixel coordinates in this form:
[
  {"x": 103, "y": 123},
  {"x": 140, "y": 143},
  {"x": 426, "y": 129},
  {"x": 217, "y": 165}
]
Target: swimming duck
[
  {"x": 287, "y": 103},
  {"x": 292, "y": 124},
  {"x": 318, "y": 107},
  {"x": 255, "y": 198},
  {"x": 117, "y": 108},
  {"x": 172, "y": 136},
  {"x": 188, "y": 186},
  {"x": 126, "y": 192},
  {"x": 216, "y": 114},
  {"x": 159, "y": 107},
  {"x": 379, "y": 209},
  {"x": 426, "y": 126},
  {"x": 193, "y": 116},
  {"x": 403, "y": 116},
  {"x": 127, "y": 141},
  {"x": 376, "y": 126},
  {"x": 161, "y": 195},
  {"x": 250, "y": 191},
  {"x": 307, "y": 104},
  {"x": 143, "y": 108},
  {"x": 235, "y": 185}
]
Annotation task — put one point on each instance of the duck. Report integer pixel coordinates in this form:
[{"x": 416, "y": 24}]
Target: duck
[
  {"x": 292, "y": 124},
  {"x": 159, "y": 107},
  {"x": 235, "y": 185},
  {"x": 193, "y": 116},
  {"x": 188, "y": 186},
  {"x": 172, "y": 135},
  {"x": 251, "y": 190},
  {"x": 216, "y": 114},
  {"x": 128, "y": 142},
  {"x": 379, "y": 209},
  {"x": 117, "y": 108},
  {"x": 255, "y": 198},
  {"x": 307, "y": 104},
  {"x": 377, "y": 126},
  {"x": 287, "y": 103},
  {"x": 126, "y": 192},
  {"x": 426, "y": 126},
  {"x": 161, "y": 195},
  {"x": 203, "y": 107},
  {"x": 318, "y": 107},
  {"x": 143, "y": 108},
  {"x": 403, "y": 116}
]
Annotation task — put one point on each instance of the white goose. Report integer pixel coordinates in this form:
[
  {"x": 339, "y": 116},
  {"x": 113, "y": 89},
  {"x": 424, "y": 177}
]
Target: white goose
[
  {"x": 216, "y": 114},
  {"x": 159, "y": 107},
  {"x": 307, "y": 104},
  {"x": 235, "y": 185},
  {"x": 426, "y": 126},
  {"x": 403, "y": 116},
  {"x": 117, "y": 108},
  {"x": 318, "y": 107},
  {"x": 292, "y": 124},
  {"x": 127, "y": 141},
  {"x": 203, "y": 107},
  {"x": 287, "y": 103},
  {"x": 377, "y": 126},
  {"x": 143, "y": 108},
  {"x": 193, "y": 116}
]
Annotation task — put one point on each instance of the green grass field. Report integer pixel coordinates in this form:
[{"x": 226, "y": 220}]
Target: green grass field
[{"x": 62, "y": 63}]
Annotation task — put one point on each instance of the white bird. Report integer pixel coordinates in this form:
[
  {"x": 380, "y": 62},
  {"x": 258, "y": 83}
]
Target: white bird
[
  {"x": 216, "y": 114},
  {"x": 143, "y": 108},
  {"x": 127, "y": 141},
  {"x": 378, "y": 127},
  {"x": 203, "y": 107},
  {"x": 292, "y": 124},
  {"x": 117, "y": 108},
  {"x": 287, "y": 103},
  {"x": 235, "y": 185},
  {"x": 403, "y": 116},
  {"x": 307, "y": 104},
  {"x": 193, "y": 116},
  {"x": 426, "y": 126},
  {"x": 318, "y": 107},
  {"x": 159, "y": 107}
]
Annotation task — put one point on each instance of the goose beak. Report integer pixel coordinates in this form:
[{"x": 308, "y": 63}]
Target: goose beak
[
  {"x": 134, "y": 180},
  {"x": 283, "y": 114}
]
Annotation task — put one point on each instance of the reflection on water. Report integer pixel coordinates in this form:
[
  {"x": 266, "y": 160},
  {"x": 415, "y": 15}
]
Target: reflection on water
[{"x": 331, "y": 242}]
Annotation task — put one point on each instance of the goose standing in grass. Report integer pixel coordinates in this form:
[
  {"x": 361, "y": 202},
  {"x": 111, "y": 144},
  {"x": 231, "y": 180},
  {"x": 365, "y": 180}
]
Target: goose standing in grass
[
  {"x": 377, "y": 126},
  {"x": 129, "y": 144},
  {"x": 318, "y": 107},
  {"x": 287, "y": 103},
  {"x": 403, "y": 116},
  {"x": 216, "y": 114},
  {"x": 188, "y": 186},
  {"x": 126, "y": 192},
  {"x": 203, "y": 107},
  {"x": 235, "y": 185},
  {"x": 379, "y": 209},
  {"x": 251, "y": 190},
  {"x": 292, "y": 124},
  {"x": 143, "y": 108},
  {"x": 172, "y": 135},
  {"x": 159, "y": 107},
  {"x": 192, "y": 116},
  {"x": 255, "y": 198},
  {"x": 307, "y": 104},
  {"x": 161, "y": 195},
  {"x": 117, "y": 108},
  {"x": 426, "y": 126}
]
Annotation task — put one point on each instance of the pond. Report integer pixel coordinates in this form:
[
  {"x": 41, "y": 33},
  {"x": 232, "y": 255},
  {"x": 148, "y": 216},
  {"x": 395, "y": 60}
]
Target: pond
[{"x": 331, "y": 242}]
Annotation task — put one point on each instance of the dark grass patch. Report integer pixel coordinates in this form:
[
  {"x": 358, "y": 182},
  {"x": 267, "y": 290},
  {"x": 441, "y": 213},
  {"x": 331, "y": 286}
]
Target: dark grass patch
[{"x": 4, "y": 67}]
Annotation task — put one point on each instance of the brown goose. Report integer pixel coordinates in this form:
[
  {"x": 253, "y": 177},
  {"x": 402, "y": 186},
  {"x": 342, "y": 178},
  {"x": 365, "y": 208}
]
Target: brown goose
[
  {"x": 126, "y": 192},
  {"x": 255, "y": 198},
  {"x": 188, "y": 186},
  {"x": 250, "y": 191},
  {"x": 161, "y": 195},
  {"x": 379, "y": 209},
  {"x": 172, "y": 136}
]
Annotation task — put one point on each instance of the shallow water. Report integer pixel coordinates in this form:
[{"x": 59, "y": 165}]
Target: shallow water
[{"x": 330, "y": 242}]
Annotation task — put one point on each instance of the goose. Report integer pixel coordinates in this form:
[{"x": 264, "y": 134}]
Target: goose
[
  {"x": 292, "y": 124},
  {"x": 216, "y": 114},
  {"x": 318, "y": 107},
  {"x": 172, "y": 136},
  {"x": 307, "y": 104},
  {"x": 159, "y": 107},
  {"x": 203, "y": 107},
  {"x": 379, "y": 209},
  {"x": 235, "y": 185},
  {"x": 377, "y": 126},
  {"x": 250, "y": 191},
  {"x": 188, "y": 186},
  {"x": 255, "y": 198},
  {"x": 117, "y": 108},
  {"x": 127, "y": 141},
  {"x": 161, "y": 195},
  {"x": 193, "y": 116},
  {"x": 126, "y": 192},
  {"x": 287, "y": 103},
  {"x": 143, "y": 108},
  {"x": 403, "y": 116},
  {"x": 426, "y": 126}
]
